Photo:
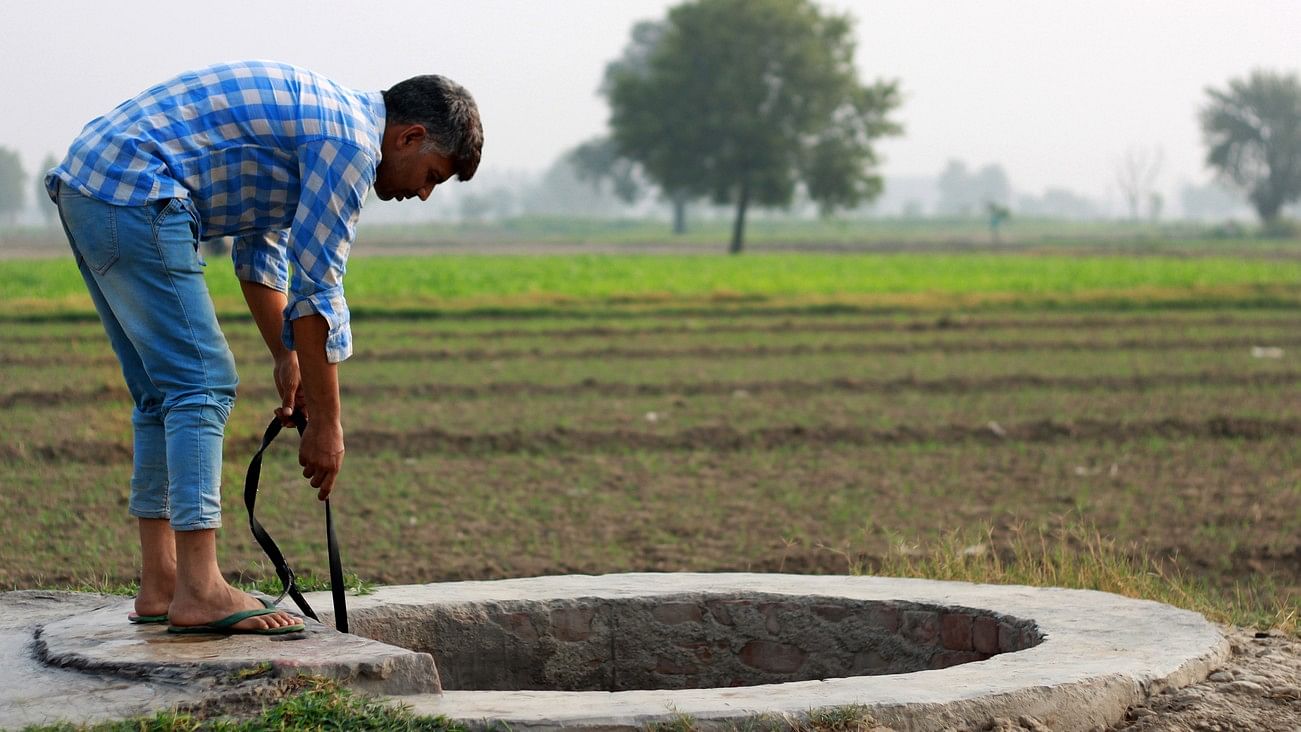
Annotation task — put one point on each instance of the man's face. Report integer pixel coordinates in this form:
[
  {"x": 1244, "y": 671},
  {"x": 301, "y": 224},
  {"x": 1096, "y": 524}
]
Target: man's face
[{"x": 404, "y": 171}]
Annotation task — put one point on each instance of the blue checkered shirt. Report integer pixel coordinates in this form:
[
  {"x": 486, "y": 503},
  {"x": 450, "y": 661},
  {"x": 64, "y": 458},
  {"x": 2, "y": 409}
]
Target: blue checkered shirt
[{"x": 275, "y": 156}]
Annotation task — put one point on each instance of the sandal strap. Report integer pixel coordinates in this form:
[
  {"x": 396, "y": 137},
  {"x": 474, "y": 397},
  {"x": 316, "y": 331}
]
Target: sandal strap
[{"x": 241, "y": 616}]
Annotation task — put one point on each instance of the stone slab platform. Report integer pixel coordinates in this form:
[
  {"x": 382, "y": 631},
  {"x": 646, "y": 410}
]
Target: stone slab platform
[
  {"x": 1099, "y": 654},
  {"x": 102, "y": 641},
  {"x": 74, "y": 657}
]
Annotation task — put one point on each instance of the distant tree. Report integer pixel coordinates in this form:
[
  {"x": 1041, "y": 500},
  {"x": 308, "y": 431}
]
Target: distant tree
[
  {"x": 741, "y": 100},
  {"x": 49, "y": 212},
  {"x": 963, "y": 193},
  {"x": 955, "y": 189},
  {"x": 1253, "y": 138},
  {"x": 677, "y": 188},
  {"x": 561, "y": 191},
  {"x": 1210, "y": 201},
  {"x": 598, "y": 162},
  {"x": 475, "y": 208},
  {"x": 992, "y": 185},
  {"x": 1155, "y": 204},
  {"x": 1136, "y": 175},
  {"x": 12, "y": 184},
  {"x": 1058, "y": 203}
]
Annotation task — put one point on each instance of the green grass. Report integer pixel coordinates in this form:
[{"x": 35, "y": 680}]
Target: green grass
[
  {"x": 1183, "y": 521},
  {"x": 1076, "y": 555},
  {"x": 308, "y": 704},
  {"x": 52, "y": 287},
  {"x": 765, "y": 230}
]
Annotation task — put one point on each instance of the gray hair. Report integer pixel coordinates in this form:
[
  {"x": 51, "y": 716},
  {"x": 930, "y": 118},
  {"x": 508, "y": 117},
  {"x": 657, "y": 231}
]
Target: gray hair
[{"x": 447, "y": 112}]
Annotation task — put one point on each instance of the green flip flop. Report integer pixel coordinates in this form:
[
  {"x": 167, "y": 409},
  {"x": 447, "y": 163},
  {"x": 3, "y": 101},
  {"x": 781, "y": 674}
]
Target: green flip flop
[
  {"x": 147, "y": 619},
  {"x": 223, "y": 626}
]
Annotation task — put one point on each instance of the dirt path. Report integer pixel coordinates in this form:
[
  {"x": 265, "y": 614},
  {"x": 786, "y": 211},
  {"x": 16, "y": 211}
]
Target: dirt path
[{"x": 1258, "y": 690}]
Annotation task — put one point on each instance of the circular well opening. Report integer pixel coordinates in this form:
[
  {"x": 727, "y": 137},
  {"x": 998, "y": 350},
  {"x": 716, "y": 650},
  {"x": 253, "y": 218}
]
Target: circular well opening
[{"x": 690, "y": 641}]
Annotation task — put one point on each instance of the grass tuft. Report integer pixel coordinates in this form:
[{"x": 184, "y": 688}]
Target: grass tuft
[
  {"x": 1078, "y": 556},
  {"x": 312, "y": 703},
  {"x": 267, "y": 585}
]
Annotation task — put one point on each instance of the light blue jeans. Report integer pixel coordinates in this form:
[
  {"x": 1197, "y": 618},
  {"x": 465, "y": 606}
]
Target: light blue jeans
[{"x": 145, "y": 276}]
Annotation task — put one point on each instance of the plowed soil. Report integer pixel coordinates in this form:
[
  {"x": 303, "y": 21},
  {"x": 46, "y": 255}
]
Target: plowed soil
[{"x": 793, "y": 443}]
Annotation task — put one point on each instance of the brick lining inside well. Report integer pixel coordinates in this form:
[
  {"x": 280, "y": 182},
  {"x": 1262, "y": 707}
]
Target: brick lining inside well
[{"x": 692, "y": 641}]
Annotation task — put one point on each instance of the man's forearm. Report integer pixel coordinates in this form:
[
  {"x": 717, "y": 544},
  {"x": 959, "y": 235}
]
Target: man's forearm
[
  {"x": 267, "y": 305},
  {"x": 320, "y": 377}
]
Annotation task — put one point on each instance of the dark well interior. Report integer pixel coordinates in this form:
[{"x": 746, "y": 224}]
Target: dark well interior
[{"x": 688, "y": 641}]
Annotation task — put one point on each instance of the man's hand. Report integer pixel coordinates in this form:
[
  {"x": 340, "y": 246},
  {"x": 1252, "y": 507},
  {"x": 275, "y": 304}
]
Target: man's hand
[
  {"x": 289, "y": 383},
  {"x": 321, "y": 451},
  {"x": 321, "y": 455}
]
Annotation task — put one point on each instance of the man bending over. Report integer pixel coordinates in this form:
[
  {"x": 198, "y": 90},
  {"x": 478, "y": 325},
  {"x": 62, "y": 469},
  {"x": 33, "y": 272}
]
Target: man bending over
[{"x": 281, "y": 159}]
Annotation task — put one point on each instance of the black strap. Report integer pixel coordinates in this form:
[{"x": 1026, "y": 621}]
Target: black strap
[{"x": 287, "y": 578}]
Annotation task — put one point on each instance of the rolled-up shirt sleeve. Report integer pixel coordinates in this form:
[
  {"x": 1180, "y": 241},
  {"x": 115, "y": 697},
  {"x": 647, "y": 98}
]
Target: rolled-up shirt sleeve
[
  {"x": 262, "y": 258},
  {"x": 335, "y": 177}
]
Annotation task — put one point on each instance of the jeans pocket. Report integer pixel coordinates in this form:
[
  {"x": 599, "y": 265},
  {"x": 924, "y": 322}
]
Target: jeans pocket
[
  {"x": 176, "y": 232},
  {"x": 91, "y": 226}
]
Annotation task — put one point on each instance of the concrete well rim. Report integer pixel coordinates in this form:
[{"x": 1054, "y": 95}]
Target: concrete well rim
[{"x": 1100, "y": 653}]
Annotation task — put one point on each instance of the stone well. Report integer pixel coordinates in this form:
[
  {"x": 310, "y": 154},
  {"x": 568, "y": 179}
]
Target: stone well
[
  {"x": 625, "y": 651},
  {"x": 628, "y": 650},
  {"x": 690, "y": 641}
]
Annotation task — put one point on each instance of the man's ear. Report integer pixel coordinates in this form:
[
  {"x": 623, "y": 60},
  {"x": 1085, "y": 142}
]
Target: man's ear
[{"x": 412, "y": 135}]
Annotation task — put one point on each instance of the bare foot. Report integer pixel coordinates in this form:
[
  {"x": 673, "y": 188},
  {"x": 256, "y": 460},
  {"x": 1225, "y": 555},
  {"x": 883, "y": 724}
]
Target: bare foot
[
  {"x": 152, "y": 601},
  {"x": 155, "y": 596},
  {"x": 224, "y": 602}
]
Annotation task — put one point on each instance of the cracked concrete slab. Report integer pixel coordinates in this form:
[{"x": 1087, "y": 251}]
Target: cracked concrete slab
[
  {"x": 101, "y": 640},
  {"x": 33, "y": 693},
  {"x": 76, "y": 658},
  {"x": 1091, "y": 656},
  {"x": 963, "y": 653}
]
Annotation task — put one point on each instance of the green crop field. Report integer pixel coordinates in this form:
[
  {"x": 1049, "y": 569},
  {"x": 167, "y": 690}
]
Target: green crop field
[
  {"x": 520, "y": 415},
  {"x": 523, "y": 283}
]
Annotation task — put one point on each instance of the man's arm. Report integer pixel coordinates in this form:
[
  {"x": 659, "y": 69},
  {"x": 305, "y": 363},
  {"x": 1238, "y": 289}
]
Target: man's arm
[
  {"x": 267, "y": 304},
  {"x": 321, "y": 453},
  {"x": 321, "y": 456},
  {"x": 335, "y": 175}
]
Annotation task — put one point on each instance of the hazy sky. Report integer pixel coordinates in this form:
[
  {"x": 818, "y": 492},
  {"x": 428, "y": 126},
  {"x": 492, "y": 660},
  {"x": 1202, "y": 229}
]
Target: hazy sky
[{"x": 1054, "y": 90}]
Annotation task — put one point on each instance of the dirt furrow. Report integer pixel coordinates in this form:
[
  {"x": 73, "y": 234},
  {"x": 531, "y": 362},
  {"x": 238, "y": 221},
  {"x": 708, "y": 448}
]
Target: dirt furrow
[
  {"x": 941, "y": 324},
  {"x": 724, "y": 438},
  {"x": 785, "y": 387},
  {"x": 750, "y": 351}
]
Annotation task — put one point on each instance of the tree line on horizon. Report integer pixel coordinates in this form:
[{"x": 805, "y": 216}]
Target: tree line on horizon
[{"x": 758, "y": 104}]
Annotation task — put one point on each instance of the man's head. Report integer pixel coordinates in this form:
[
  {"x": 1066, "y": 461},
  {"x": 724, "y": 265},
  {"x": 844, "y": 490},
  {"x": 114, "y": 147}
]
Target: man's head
[{"x": 431, "y": 132}]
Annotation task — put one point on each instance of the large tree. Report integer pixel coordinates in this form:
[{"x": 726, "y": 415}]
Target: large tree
[
  {"x": 673, "y": 179},
  {"x": 11, "y": 185},
  {"x": 743, "y": 100},
  {"x": 1253, "y": 138}
]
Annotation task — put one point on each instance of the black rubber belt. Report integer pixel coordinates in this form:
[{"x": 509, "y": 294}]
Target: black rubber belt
[{"x": 287, "y": 578}]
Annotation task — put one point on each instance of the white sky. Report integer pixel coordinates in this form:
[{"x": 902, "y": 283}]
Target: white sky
[{"x": 1054, "y": 90}]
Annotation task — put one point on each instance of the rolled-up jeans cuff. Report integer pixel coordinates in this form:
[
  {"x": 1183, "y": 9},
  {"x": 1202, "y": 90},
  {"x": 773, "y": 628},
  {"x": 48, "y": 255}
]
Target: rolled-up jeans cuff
[
  {"x": 198, "y": 526},
  {"x": 149, "y": 471},
  {"x": 149, "y": 514},
  {"x": 194, "y": 440}
]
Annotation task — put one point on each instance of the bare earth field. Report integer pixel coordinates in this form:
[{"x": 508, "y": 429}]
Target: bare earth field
[{"x": 487, "y": 447}]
